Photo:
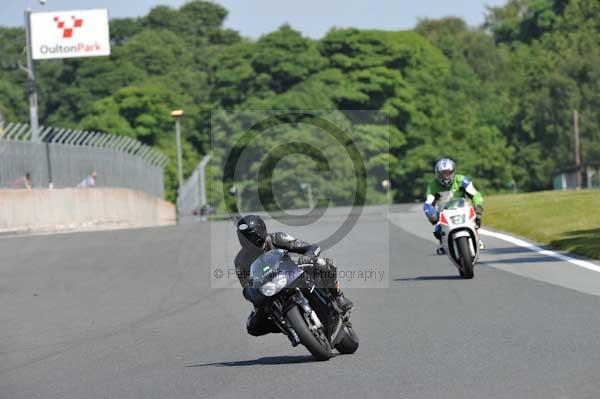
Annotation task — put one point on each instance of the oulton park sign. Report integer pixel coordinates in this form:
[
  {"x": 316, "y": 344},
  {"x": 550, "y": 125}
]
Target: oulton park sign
[{"x": 69, "y": 34}]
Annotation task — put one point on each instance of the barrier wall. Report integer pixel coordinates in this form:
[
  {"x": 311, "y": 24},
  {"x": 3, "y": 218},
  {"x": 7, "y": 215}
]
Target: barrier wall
[{"x": 79, "y": 209}]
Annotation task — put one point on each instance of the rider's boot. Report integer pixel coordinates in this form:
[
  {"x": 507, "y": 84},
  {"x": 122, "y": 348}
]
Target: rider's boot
[
  {"x": 344, "y": 303},
  {"x": 259, "y": 323},
  {"x": 440, "y": 249},
  {"x": 478, "y": 226}
]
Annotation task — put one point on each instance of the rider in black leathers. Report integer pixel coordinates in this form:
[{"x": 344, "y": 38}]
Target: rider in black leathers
[{"x": 255, "y": 240}]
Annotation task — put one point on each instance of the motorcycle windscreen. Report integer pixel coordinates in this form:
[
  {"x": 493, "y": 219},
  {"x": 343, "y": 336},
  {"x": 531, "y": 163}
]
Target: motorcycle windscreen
[
  {"x": 456, "y": 203},
  {"x": 265, "y": 267},
  {"x": 270, "y": 264}
]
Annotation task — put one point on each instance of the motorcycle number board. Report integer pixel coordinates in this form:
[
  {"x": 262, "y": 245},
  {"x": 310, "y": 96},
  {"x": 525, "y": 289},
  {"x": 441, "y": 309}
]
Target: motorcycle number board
[{"x": 69, "y": 34}]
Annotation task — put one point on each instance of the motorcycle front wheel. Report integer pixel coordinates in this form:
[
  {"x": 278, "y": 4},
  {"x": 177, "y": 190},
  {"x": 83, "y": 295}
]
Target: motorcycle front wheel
[
  {"x": 311, "y": 337},
  {"x": 466, "y": 260}
]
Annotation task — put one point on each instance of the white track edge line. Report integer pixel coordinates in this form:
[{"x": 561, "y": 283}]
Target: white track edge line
[{"x": 535, "y": 248}]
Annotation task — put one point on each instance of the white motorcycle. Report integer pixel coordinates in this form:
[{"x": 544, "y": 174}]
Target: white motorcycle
[{"x": 460, "y": 238}]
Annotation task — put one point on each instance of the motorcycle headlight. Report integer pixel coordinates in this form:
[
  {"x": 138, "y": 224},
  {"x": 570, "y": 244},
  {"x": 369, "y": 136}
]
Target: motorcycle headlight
[
  {"x": 458, "y": 219},
  {"x": 280, "y": 281},
  {"x": 268, "y": 289},
  {"x": 274, "y": 286}
]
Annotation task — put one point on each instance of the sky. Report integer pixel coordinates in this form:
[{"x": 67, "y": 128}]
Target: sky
[{"x": 254, "y": 18}]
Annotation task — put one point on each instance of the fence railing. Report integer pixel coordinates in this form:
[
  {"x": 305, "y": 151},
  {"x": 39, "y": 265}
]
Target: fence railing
[
  {"x": 65, "y": 157},
  {"x": 191, "y": 197}
]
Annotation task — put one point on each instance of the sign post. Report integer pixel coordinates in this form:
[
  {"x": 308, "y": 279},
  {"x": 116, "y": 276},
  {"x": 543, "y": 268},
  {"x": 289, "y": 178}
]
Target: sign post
[
  {"x": 61, "y": 34},
  {"x": 31, "y": 88}
]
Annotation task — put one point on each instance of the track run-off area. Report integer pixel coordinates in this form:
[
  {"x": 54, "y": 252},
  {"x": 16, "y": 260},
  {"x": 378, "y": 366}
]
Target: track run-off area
[{"x": 138, "y": 314}]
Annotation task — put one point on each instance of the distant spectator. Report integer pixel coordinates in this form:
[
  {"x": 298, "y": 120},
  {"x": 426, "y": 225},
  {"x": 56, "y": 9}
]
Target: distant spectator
[
  {"x": 207, "y": 210},
  {"x": 23, "y": 182},
  {"x": 89, "y": 181}
]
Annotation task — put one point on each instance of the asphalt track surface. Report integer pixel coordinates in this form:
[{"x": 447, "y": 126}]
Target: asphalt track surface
[{"x": 131, "y": 314}]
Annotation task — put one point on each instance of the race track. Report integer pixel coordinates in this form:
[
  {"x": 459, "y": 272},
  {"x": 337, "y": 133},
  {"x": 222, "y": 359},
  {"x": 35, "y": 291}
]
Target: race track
[{"x": 131, "y": 314}]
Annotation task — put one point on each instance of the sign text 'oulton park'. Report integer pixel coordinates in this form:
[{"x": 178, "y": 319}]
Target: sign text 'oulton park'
[{"x": 68, "y": 34}]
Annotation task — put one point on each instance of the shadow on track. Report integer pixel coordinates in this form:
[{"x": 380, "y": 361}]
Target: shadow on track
[
  {"x": 505, "y": 250},
  {"x": 429, "y": 278},
  {"x": 582, "y": 242},
  {"x": 526, "y": 259},
  {"x": 271, "y": 360}
]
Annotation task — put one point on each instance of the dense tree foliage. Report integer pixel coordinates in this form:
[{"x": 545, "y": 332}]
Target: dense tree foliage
[{"x": 498, "y": 98}]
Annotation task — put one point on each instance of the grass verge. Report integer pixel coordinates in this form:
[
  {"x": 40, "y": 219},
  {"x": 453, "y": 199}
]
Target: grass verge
[{"x": 566, "y": 220}]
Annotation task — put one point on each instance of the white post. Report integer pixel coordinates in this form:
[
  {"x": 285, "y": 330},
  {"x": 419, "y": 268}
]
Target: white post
[
  {"x": 179, "y": 161},
  {"x": 308, "y": 188},
  {"x": 387, "y": 185}
]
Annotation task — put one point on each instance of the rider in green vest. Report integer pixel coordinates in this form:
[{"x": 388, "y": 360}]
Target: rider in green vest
[{"x": 447, "y": 185}]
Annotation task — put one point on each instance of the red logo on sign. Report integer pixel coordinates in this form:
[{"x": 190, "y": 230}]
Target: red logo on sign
[{"x": 68, "y": 32}]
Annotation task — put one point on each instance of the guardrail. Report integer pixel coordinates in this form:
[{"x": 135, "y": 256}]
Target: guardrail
[{"x": 65, "y": 157}]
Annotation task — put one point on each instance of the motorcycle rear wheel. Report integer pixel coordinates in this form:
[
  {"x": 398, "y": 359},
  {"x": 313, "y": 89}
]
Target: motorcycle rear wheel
[{"x": 319, "y": 347}]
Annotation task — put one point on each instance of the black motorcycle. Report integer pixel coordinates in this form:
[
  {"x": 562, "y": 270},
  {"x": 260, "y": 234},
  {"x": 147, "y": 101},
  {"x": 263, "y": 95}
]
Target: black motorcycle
[{"x": 306, "y": 313}]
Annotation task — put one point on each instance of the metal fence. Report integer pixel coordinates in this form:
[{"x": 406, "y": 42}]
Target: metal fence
[
  {"x": 191, "y": 197},
  {"x": 65, "y": 157}
]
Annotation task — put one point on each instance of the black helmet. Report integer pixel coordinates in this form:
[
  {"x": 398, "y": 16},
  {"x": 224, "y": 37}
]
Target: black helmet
[{"x": 251, "y": 231}]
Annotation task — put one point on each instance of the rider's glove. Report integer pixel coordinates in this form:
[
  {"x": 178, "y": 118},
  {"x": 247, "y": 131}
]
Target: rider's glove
[
  {"x": 431, "y": 213},
  {"x": 311, "y": 260},
  {"x": 307, "y": 259},
  {"x": 479, "y": 213}
]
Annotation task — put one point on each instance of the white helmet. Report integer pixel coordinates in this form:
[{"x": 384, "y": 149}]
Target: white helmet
[{"x": 444, "y": 170}]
